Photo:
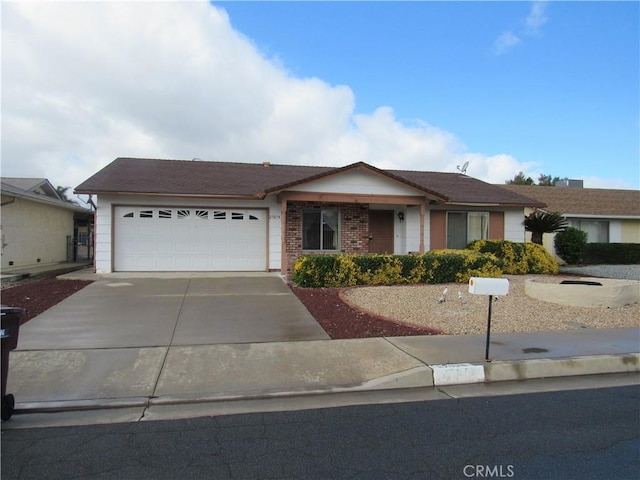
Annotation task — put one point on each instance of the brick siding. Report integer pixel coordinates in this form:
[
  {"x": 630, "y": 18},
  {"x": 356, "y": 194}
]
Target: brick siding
[{"x": 354, "y": 228}]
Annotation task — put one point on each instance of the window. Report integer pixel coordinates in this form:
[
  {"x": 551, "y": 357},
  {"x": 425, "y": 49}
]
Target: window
[
  {"x": 320, "y": 230},
  {"x": 203, "y": 214},
  {"x": 597, "y": 230},
  {"x": 237, "y": 216},
  {"x": 184, "y": 213},
  {"x": 219, "y": 215},
  {"x": 465, "y": 227},
  {"x": 146, "y": 213},
  {"x": 164, "y": 214},
  {"x": 83, "y": 238}
]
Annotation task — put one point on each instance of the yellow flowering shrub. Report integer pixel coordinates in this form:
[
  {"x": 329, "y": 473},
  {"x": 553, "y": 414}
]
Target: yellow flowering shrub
[
  {"x": 518, "y": 258},
  {"x": 483, "y": 258}
]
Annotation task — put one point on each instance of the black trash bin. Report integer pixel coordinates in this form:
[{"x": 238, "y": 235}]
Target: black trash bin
[{"x": 11, "y": 317}]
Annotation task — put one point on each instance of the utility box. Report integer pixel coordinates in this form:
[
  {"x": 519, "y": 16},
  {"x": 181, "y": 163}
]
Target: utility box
[{"x": 488, "y": 286}]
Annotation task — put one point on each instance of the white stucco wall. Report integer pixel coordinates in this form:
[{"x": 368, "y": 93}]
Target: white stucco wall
[
  {"x": 104, "y": 230},
  {"x": 413, "y": 230},
  {"x": 357, "y": 182},
  {"x": 514, "y": 224},
  {"x": 33, "y": 230}
]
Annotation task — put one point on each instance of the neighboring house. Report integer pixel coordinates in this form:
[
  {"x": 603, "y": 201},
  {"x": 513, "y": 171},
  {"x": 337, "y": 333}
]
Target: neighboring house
[
  {"x": 172, "y": 215},
  {"x": 39, "y": 227},
  {"x": 608, "y": 216}
]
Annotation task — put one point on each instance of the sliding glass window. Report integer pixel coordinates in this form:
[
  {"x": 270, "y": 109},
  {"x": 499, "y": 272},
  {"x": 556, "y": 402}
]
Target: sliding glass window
[{"x": 321, "y": 230}]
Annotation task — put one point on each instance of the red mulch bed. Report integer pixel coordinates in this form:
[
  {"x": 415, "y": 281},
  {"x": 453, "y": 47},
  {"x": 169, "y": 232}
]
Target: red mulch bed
[
  {"x": 40, "y": 295},
  {"x": 339, "y": 320}
]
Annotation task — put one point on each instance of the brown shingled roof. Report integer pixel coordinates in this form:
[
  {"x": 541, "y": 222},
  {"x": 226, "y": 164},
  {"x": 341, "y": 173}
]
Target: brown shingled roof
[
  {"x": 199, "y": 178},
  {"x": 180, "y": 177},
  {"x": 583, "y": 201},
  {"x": 459, "y": 188}
]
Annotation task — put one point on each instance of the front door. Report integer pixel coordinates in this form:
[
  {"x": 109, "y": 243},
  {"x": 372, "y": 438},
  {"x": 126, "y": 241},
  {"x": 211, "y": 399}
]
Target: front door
[{"x": 380, "y": 231}]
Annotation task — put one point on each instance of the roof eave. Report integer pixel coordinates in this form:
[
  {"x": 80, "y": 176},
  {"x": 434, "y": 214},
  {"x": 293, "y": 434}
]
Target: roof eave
[{"x": 256, "y": 196}]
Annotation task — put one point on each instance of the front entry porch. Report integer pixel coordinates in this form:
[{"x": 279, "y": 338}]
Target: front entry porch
[{"x": 325, "y": 223}]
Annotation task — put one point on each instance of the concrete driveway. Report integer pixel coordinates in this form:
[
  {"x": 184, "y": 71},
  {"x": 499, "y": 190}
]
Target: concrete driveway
[{"x": 152, "y": 312}]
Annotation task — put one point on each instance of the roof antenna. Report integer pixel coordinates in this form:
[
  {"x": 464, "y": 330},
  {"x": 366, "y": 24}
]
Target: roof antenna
[{"x": 463, "y": 168}]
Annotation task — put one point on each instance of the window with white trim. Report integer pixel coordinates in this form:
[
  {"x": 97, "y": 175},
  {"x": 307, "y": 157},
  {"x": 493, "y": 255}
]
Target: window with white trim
[
  {"x": 321, "y": 229},
  {"x": 465, "y": 227},
  {"x": 597, "y": 230}
]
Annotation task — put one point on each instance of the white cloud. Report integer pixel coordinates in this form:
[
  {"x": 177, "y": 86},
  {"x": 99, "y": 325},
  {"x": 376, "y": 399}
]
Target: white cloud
[
  {"x": 536, "y": 18},
  {"x": 533, "y": 22},
  {"x": 505, "y": 42},
  {"x": 84, "y": 83}
]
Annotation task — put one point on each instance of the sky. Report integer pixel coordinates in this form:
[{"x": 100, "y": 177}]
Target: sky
[{"x": 538, "y": 87}]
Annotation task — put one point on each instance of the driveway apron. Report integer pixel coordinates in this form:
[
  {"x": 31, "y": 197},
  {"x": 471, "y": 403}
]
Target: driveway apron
[
  {"x": 144, "y": 312},
  {"x": 112, "y": 340},
  {"x": 243, "y": 310}
]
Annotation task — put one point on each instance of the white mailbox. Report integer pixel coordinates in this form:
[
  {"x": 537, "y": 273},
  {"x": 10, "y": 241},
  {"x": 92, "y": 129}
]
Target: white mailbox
[{"x": 488, "y": 286}]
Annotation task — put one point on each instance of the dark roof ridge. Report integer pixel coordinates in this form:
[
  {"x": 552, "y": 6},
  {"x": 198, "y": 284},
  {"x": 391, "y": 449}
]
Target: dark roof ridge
[
  {"x": 429, "y": 171},
  {"x": 199, "y": 160}
]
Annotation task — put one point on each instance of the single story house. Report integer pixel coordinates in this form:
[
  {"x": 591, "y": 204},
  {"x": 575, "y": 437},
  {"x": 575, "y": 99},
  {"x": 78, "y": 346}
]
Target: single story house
[
  {"x": 607, "y": 215},
  {"x": 38, "y": 227},
  {"x": 175, "y": 215}
]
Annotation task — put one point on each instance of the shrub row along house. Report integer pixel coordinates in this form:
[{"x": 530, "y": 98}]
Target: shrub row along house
[{"x": 173, "y": 215}]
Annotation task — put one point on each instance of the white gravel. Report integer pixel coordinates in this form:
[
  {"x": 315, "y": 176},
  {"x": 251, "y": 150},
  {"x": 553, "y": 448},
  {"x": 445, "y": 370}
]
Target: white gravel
[
  {"x": 515, "y": 312},
  {"x": 624, "y": 272}
]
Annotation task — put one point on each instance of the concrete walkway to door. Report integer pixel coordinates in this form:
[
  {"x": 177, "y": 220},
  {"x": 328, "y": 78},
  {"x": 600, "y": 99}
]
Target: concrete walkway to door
[{"x": 121, "y": 312}]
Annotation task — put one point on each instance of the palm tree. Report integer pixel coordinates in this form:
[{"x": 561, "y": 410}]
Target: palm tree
[
  {"x": 62, "y": 193},
  {"x": 540, "y": 222}
]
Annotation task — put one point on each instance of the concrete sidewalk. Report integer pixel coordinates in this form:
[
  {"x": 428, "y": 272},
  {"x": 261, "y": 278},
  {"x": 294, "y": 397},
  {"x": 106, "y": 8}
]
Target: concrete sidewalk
[
  {"x": 11, "y": 275},
  {"x": 59, "y": 380}
]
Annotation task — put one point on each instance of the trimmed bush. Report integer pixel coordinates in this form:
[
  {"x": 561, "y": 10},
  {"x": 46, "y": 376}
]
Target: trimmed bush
[
  {"x": 570, "y": 245},
  {"x": 518, "y": 258},
  {"x": 612, "y": 254},
  {"x": 439, "y": 266}
]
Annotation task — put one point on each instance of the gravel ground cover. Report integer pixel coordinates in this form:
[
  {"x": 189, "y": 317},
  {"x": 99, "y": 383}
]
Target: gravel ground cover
[
  {"x": 622, "y": 272},
  {"x": 516, "y": 312}
]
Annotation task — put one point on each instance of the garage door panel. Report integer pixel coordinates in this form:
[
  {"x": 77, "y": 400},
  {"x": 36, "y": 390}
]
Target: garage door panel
[{"x": 189, "y": 239}]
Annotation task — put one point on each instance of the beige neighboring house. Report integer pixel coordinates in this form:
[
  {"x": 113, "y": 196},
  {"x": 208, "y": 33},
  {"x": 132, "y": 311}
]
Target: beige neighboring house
[
  {"x": 607, "y": 215},
  {"x": 38, "y": 227}
]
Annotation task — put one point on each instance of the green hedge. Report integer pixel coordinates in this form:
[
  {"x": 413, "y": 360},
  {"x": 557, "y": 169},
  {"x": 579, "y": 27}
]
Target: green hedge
[
  {"x": 518, "y": 258},
  {"x": 483, "y": 258},
  {"x": 436, "y": 266},
  {"x": 612, "y": 254}
]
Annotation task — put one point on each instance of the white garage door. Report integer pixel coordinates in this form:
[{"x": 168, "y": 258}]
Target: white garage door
[{"x": 156, "y": 239}]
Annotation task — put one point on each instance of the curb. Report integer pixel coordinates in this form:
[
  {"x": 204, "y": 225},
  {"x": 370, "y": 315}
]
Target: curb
[
  {"x": 510, "y": 370},
  {"x": 419, "y": 377}
]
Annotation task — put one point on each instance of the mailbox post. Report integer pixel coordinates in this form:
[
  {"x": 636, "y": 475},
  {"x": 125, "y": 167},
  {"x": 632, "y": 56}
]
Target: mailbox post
[{"x": 491, "y": 287}]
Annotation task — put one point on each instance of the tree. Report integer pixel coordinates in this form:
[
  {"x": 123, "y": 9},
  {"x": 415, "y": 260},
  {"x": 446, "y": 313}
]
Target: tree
[
  {"x": 62, "y": 193},
  {"x": 543, "y": 180},
  {"x": 520, "y": 179},
  {"x": 540, "y": 222},
  {"x": 547, "y": 180}
]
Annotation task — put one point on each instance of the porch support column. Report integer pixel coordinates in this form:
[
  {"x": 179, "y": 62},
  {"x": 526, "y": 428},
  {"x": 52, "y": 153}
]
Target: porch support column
[
  {"x": 283, "y": 236},
  {"x": 423, "y": 211}
]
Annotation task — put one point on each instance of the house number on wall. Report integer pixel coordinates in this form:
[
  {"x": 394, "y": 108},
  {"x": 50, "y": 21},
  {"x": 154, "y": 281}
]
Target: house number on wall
[{"x": 274, "y": 217}]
